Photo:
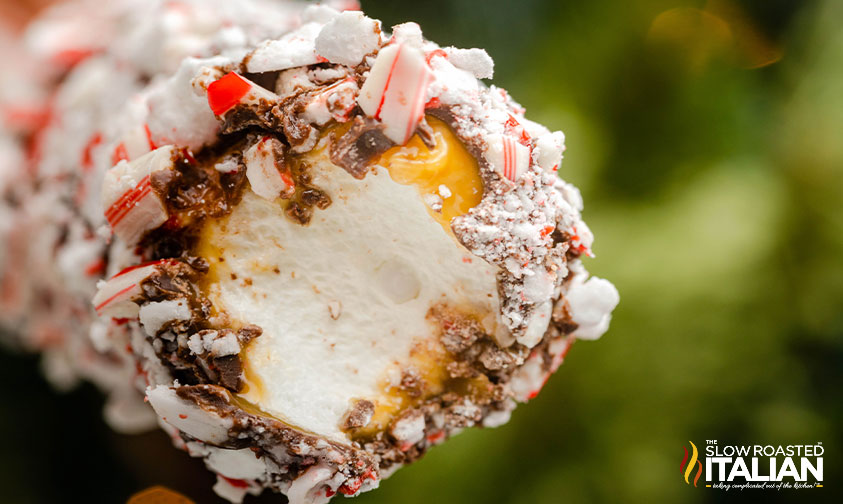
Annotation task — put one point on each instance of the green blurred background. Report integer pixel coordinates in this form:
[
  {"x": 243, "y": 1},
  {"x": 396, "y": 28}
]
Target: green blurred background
[{"x": 707, "y": 139}]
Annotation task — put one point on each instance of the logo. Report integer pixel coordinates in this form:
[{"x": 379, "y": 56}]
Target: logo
[
  {"x": 772, "y": 467},
  {"x": 690, "y": 465}
]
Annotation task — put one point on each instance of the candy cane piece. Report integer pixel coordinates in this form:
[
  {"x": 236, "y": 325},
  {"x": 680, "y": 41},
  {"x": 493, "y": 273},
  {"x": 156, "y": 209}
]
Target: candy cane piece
[
  {"x": 508, "y": 156},
  {"x": 132, "y": 207},
  {"x": 266, "y": 171},
  {"x": 114, "y": 297},
  {"x": 334, "y": 102},
  {"x": 395, "y": 90},
  {"x": 231, "y": 90}
]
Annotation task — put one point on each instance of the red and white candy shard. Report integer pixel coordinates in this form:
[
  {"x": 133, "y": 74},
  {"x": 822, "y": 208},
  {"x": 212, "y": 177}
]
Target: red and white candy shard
[
  {"x": 335, "y": 102},
  {"x": 231, "y": 90},
  {"x": 507, "y": 156},
  {"x": 132, "y": 207},
  {"x": 114, "y": 298},
  {"x": 395, "y": 90},
  {"x": 264, "y": 169}
]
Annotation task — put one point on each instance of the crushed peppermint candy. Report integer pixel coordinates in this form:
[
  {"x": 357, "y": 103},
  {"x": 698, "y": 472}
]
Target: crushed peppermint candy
[
  {"x": 132, "y": 207},
  {"x": 266, "y": 171},
  {"x": 396, "y": 89}
]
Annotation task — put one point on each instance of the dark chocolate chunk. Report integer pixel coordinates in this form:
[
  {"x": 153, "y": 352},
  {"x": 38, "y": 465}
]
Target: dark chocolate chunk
[{"x": 359, "y": 146}]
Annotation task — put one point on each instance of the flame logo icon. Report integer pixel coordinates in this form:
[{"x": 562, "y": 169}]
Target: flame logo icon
[{"x": 690, "y": 465}]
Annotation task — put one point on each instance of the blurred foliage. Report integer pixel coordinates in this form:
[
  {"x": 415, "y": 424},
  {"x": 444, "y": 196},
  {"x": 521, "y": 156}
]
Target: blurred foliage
[{"x": 707, "y": 139}]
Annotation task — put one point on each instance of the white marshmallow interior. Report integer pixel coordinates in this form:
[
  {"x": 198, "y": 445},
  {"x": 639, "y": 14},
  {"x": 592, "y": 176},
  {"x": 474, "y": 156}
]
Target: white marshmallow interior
[{"x": 351, "y": 293}]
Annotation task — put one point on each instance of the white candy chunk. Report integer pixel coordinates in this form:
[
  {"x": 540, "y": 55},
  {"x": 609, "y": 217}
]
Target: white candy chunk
[
  {"x": 537, "y": 326},
  {"x": 320, "y": 75},
  {"x": 205, "y": 76},
  {"x": 154, "y": 315},
  {"x": 348, "y": 37},
  {"x": 476, "y": 61},
  {"x": 176, "y": 115},
  {"x": 114, "y": 297},
  {"x": 297, "y": 48},
  {"x": 335, "y": 102},
  {"x": 187, "y": 417},
  {"x": 408, "y": 33},
  {"x": 548, "y": 150},
  {"x": 395, "y": 91},
  {"x": 263, "y": 169},
  {"x": 409, "y": 430},
  {"x": 591, "y": 304},
  {"x": 538, "y": 287},
  {"x": 194, "y": 343},
  {"x": 292, "y": 81},
  {"x": 306, "y": 489},
  {"x": 228, "y": 165},
  {"x": 527, "y": 381},
  {"x": 236, "y": 464},
  {"x": 507, "y": 155},
  {"x": 227, "y": 345},
  {"x": 132, "y": 207}
]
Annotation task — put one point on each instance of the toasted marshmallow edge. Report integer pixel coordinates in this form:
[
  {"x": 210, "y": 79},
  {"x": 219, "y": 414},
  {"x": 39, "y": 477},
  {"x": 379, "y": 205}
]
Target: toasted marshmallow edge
[{"x": 377, "y": 253}]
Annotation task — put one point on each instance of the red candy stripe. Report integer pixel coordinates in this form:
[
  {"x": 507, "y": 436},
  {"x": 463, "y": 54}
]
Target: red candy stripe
[
  {"x": 118, "y": 210},
  {"x": 226, "y": 92}
]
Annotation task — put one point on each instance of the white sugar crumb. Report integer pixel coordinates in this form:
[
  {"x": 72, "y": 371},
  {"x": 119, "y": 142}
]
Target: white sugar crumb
[
  {"x": 409, "y": 430},
  {"x": 228, "y": 165},
  {"x": 444, "y": 191},
  {"x": 434, "y": 201},
  {"x": 293, "y": 80},
  {"x": 320, "y": 75},
  {"x": 227, "y": 345},
  {"x": 347, "y": 38},
  {"x": 194, "y": 343},
  {"x": 154, "y": 315},
  {"x": 476, "y": 61}
]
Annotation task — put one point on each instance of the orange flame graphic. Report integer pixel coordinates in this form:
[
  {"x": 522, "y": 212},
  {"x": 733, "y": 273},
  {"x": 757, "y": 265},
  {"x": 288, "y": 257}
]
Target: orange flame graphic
[{"x": 690, "y": 467}]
